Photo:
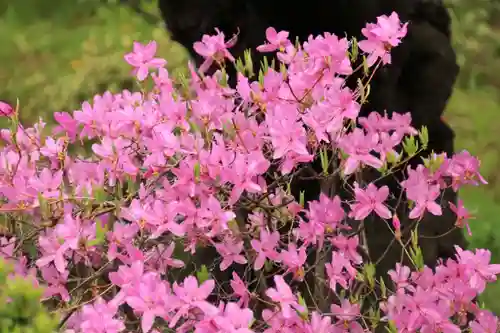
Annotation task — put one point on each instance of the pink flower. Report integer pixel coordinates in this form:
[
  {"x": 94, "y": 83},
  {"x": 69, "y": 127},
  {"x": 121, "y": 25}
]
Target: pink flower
[
  {"x": 128, "y": 279},
  {"x": 480, "y": 269},
  {"x": 121, "y": 235},
  {"x": 284, "y": 296},
  {"x": 358, "y": 145},
  {"x": 52, "y": 251},
  {"x": 66, "y": 124},
  {"x": 47, "y": 184},
  {"x": 265, "y": 248},
  {"x": 294, "y": 260},
  {"x": 347, "y": 314},
  {"x": 99, "y": 317},
  {"x": 348, "y": 247},
  {"x": 52, "y": 148},
  {"x": 427, "y": 201},
  {"x": 240, "y": 290},
  {"x": 324, "y": 216},
  {"x": 160, "y": 258},
  {"x": 369, "y": 200},
  {"x": 212, "y": 217},
  {"x": 56, "y": 283},
  {"x": 421, "y": 189},
  {"x": 340, "y": 271},
  {"x": 381, "y": 37},
  {"x": 464, "y": 169},
  {"x": 234, "y": 319},
  {"x": 214, "y": 48},
  {"x": 245, "y": 174},
  {"x": 230, "y": 252},
  {"x": 277, "y": 41},
  {"x": 287, "y": 134},
  {"x": 485, "y": 322},
  {"x": 142, "y": 58},
  {"x": 189, "y": 296},
  {"x": 321, "y": 324},
  {"x": 150, "y": 300},
  {"x": 400, "y": 276},
  {"x": 331, "y": 52},
  {"x": 7, "y": 247},
  {"x": 463, "y": 215}
]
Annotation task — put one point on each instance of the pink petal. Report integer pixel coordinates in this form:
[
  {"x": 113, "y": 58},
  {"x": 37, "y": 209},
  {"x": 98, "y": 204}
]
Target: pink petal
[
  {"x": 147, "y": 321},
  {"x": 434, "y": 208},
  {"x": 383, "y": 211}
]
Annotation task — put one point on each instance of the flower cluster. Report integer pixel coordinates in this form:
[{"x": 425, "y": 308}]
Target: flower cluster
[{"x": 170, "y": 168}]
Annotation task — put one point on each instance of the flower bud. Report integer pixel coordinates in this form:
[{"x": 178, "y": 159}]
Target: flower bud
[
  {"x": 6, "y": 110},
  {"x": 397, "y": 226}
]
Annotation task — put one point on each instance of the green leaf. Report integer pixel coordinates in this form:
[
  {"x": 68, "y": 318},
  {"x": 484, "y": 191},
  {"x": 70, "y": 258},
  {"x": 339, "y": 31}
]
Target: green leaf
[
  {"x": 416, "y": 252},
  {"x": 264, "y": 65},
  {"x": 435, "y": 163},
  {"x": 427, "y": 162},
  {"x": 361, "y": 88},
  {"x": 423, "y": 135},
  {"x": 233, "y": 226},
  {"x": 304, "y": 314},
  {"x": 99, "y": 194},
  {"x": 354, "y": 49},
  {"x": 240, "y": 68},
  {"x": 223, "y": 77},
  {"x": 197, "y": 171},
  {"x": 366, "y": 68},
  {"x": 323, "y": 154},
  {"x": 369, "y": 274},
  {"x": 268, "y": 266},
  {"x": 202, "y": 275},
  {"x": 391, "y": 327},
  {"x": 284, "y": 71},
  {"x": 302, "y": 198},
  {"x": 289, "y": 188},
  {"x": 384, "y": 168},
  {"x": 410, "y": 145},
  {"x": 261, "y": 77},
  {"x": 100, "y": 234},
  {"x": 383, "y": 288},
  {"x": 132, "y": 185},
  {"x": 393, "y": 158},
  {"x": 183, "y": 81},
  {"x": 249, "y": 63},
  {"x": 44, "y": 206},
  {"x": 194, "y": 127}
]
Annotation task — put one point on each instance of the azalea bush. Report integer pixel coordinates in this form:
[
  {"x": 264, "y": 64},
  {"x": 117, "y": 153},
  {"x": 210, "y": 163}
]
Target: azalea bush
[{"x": 111, "y": 232}]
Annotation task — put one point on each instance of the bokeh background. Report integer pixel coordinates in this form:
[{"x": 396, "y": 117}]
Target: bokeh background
[{"x": 55, "y": 54}]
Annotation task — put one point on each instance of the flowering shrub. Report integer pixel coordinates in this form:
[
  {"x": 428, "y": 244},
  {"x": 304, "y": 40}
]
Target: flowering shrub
[{"x": 172, "y": 166}]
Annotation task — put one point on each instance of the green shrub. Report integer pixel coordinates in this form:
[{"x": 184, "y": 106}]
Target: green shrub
[{"x": 21, "y": 310}]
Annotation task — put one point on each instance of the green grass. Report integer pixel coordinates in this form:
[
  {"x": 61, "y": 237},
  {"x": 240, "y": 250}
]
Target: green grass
[
  {"x": 57, "y": 62},
  {"x": 475, "y": 116},
  {"x": 55, "y": 54}
]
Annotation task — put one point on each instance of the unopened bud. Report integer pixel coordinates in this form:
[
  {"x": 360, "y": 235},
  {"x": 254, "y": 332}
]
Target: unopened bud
[
  {"x": 6, "y": 110},
  {"x": 396, "y": 223}
]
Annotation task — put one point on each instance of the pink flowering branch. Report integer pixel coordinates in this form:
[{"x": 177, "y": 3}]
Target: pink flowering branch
[{"x": 171, "y": 169}]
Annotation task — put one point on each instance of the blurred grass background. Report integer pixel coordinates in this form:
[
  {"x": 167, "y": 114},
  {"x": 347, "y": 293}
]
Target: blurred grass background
[{"x": 55, "y": 54}]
